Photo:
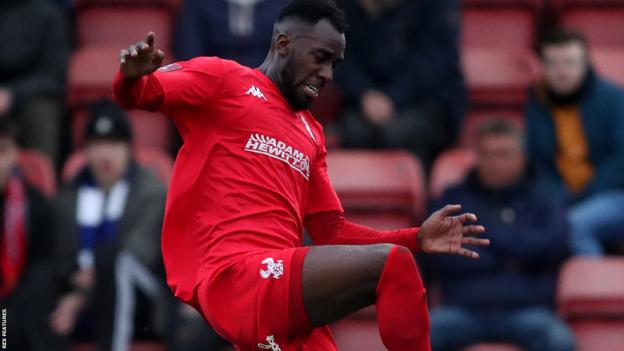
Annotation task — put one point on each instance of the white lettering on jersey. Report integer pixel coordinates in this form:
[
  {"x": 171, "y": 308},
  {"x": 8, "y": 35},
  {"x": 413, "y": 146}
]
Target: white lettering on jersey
[
  {"x": 265, "y": 145},
  {"x": 270, "y": 345},
  {"x": 276, "y": 269},
  {"x": 255, "y": 91}
]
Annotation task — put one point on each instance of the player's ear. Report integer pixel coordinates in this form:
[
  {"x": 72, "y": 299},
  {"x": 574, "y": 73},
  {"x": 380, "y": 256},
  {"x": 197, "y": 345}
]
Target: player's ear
[{"x": 283, "y": 44}]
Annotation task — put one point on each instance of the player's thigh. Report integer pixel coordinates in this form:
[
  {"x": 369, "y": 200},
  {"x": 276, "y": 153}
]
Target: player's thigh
[
  {"x": 250, "y": 301},
  {"x": 339, "y": 280}
]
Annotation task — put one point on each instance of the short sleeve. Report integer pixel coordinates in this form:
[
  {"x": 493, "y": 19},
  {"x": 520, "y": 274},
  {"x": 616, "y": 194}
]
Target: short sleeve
[
  {"x": 190, "y": 83},
  {"x": 321, "y": 195}
]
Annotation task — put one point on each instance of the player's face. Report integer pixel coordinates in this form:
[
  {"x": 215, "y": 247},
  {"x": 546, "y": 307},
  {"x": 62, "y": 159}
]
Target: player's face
[
  {"x": 500, "y": 160},
  {"x": 564, "y": 66},
  {"x": 108, "y": 160},
  {"x": 311, "y": 62}
]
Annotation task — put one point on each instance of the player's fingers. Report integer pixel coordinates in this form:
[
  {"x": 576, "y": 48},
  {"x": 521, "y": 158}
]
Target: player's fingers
[
  {"x": 466, "y": 217},
  {"x": 475, "y": 241},
  {"x": 123, "y": 54},
  {"x": 142, "y": 45},
  {"x": 473, "y": 229},
  {"x": 449, "y": 210},
  {"x": 150, "y": 39},
  {"x": 160, "y": 56},
  {"x": 132, "y": 49},
  {"x": 467, "y": 253}
]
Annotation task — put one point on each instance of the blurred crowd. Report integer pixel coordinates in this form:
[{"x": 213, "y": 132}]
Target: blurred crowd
[{"x": 83, "y": 265}]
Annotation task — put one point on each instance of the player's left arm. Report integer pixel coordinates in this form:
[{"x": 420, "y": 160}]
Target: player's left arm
[{"x": 442, "y": 232}]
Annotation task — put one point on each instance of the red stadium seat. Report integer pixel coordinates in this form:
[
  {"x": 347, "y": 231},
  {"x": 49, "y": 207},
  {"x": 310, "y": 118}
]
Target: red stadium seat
[
  {"x": 476, "y": 117},
  {"x": 599, "y": 335},
  {"x": 591, "y": 288},
  {"x": 600, "y": 20},
  {"x": 155, "y": 160},
  {"x": 498, "y": 77},
  {"x": 91, "y": 72},
  {"x": 382, "y": 182},
  {"x": 123, "y": 23},
  {"x": 608, "y": 63},
  {"x": 509, "y": 24},
  {"x": 149, "y": 129},
  {"x": 449, "y": 169},
  {"x": 38, "y": 171}
]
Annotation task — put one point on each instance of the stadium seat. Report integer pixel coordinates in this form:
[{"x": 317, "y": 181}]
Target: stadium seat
[
  {"x": 608, "y": 63},
  {"x": 449, "y": 169},
  {"x": 122, "y": 23},
  {"x": 38, "y": 171},
  {"x": 381, "y": 182},
  {"x": 476, "y": 117},
  {"x": 599, "y": 335},
  {"x": 91, "y": 72},
  {"x": 155, "y": 160},
  {"x": 591, "y": 288},
  {"x": 600, "y": 20},
  {"x": 149, "y": 129},
  {"x": 509, "y": 24},
  {"x": 498, "y": 76}
]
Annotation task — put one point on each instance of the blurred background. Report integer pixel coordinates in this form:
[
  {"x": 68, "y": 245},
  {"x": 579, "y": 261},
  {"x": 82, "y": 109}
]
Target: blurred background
[{"x": 513, "y": 108}]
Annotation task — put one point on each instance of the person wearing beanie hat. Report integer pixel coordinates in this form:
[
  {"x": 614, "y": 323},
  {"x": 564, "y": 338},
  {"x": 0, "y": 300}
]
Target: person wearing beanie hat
[{"x": 111, "y": 215}]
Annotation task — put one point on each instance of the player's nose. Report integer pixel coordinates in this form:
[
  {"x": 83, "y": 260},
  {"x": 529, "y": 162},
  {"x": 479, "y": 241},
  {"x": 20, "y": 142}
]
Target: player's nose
[{"x": 326, "y": 72}]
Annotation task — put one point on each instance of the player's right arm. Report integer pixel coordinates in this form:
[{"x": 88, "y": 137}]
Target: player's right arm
[{"x": 140, "y": 84}]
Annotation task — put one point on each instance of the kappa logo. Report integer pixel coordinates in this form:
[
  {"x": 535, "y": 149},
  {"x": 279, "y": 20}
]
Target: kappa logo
[
  {"x": 265, "y": 145},
  {"x": 255, "y": 91},
  {"x": 270, "y": 345},
  {"x": 275, "y": 269}
]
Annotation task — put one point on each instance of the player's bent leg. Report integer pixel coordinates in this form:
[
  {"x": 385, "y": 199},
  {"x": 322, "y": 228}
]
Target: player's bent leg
[{"x": 339, "y": 280}]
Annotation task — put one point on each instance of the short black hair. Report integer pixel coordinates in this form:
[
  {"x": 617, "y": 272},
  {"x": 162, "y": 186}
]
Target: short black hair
[
  {"x": 561, "y": 36},
  {"x": 312, "y": 11}
]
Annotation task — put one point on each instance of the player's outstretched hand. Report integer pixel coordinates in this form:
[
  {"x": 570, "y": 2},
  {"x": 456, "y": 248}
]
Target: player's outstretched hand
[
  {"x": 444, "y": 232},
  {"x": 141, "y": 58}
]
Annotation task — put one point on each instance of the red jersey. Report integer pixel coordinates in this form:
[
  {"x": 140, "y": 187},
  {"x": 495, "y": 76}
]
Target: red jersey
[{"x": 249, "y": 172}]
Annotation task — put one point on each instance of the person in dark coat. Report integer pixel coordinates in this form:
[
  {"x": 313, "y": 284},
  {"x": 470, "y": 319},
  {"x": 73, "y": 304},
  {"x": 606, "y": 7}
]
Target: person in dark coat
[
  {"x": 508, "y": 294},
  {"x": 575, "y": 121},
  {"x": 401, "y": 78}
]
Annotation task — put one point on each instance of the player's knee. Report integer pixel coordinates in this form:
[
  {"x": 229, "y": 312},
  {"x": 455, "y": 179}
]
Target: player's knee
[{"x": 401, "y": 265}]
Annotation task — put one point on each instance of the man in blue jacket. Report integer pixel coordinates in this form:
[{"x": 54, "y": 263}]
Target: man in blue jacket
[
  {"x": 507, "y": 295},
  {"x": 576, "y": 134}
]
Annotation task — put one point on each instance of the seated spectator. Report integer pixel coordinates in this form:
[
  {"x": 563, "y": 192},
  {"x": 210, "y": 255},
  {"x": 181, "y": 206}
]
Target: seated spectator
[
  {"x": 111, "y": 218},
  {"x": 507, "y": 294},
  {"x": 239, "y": 30},
  {"x": 401, "y": 77},
  {"x": 29, "y": 283},
  {"x": 575, "y": 124},
  {"x": 33, "y": 62}
]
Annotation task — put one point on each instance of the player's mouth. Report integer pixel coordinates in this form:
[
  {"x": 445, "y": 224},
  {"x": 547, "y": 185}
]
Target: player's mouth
[{"x": 311, "y": 91}]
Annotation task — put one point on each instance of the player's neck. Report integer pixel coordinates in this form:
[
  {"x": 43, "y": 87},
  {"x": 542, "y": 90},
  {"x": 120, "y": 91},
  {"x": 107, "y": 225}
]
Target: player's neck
[{"x": 270, "y": 69}]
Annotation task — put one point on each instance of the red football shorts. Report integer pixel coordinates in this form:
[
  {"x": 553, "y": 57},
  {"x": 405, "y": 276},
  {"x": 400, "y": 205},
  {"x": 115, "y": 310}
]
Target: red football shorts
[{"x": 257, "y": 304}]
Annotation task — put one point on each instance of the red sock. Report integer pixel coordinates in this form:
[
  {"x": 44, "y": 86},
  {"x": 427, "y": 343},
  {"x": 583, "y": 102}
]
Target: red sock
[{"x": 402, "y": 312}]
